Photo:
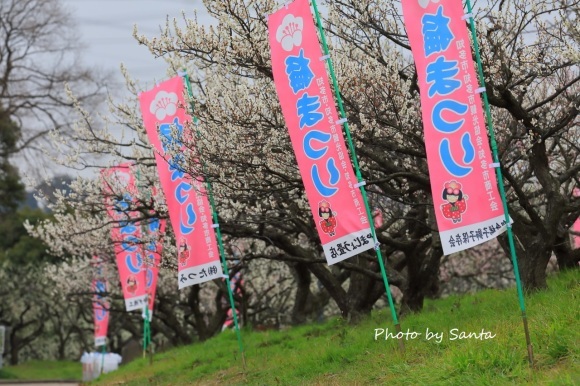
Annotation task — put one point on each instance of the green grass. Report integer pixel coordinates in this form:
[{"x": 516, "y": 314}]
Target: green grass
[
  {"x": 336, "y": 353},
  {"x": 43, "y": 370}
]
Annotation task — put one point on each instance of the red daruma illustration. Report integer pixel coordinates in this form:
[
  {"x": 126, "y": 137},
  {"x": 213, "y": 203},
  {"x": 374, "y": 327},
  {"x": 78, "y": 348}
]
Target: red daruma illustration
[
  {"x": 328, "y": 222},
  {"x": 183, "y": 255},
  {"x": 456, "y": 201},
  {"x": 132, "y": 284}
]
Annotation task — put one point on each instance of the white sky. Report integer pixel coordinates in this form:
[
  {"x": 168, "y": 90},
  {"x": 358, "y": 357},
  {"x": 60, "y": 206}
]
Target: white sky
[{"x": 105, "y": 28}]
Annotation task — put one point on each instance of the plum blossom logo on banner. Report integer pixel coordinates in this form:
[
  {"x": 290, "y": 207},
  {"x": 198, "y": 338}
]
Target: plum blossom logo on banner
[
  {"x": 289, "y": 33},
  {"x": 425, "y": 3},
  {"x": 164, "y": 104}
]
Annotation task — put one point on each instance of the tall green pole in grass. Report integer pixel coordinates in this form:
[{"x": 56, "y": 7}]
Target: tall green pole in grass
[
  {"x": 146, "y": 327},
  {"x": 218, "y": 234},
  {"x": 493, "y": 143},
  {"x": 357, "y": 171}
]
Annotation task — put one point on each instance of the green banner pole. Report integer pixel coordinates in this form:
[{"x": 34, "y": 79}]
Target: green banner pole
[
  {"x": 146, "y": 328},
  {"x": 148, "y": 317},
  {"x": 493, "y": 143},
  {"x": 357, "y": 170},
  {"x": 218, "y": 233}
]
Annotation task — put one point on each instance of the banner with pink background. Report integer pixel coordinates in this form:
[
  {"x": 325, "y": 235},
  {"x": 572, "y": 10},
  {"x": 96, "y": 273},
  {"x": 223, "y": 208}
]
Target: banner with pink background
[
  {"x": 126, "y": 235},
  {"x": 165, "y": 118},
  {"x": 138, "y": 261},
  {"x": 576, "y": 234},
  {"x": 576, "y": 225},
  {"x": 315, "y": 130},
  {"x": 468, "y": 206}
]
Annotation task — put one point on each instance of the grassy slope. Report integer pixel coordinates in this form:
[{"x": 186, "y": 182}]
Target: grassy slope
[
  {"x": 43, "y": 370},
  {"x": 338, "y": 353}
]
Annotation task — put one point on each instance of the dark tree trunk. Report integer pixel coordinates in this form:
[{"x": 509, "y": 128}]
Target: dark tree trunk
[
  {"x": 332, "y": 285},
  {"x": 14, "y": 350},
  {"x": 422, "y": 261},
  {"x": 536, "y": 238},
  {"x": 62, "y": 351},
  {"x": 532, "y": 266},
  {"x": 165, "y": 314},
  {"x": 365, "y": 287},
  {"x": 198, "y": 317},
  {"x": 205, "y": 325},
  {"x": 18, "y": 342},
  {"x": 566, "y": 256},
  {"x": 301, "y": 307},
  {"x": 352, "y": 305},
  {"x": 533, "y": 254},
  {"x": 422, "y": 276},
  {"x": 363, "y": 292}
]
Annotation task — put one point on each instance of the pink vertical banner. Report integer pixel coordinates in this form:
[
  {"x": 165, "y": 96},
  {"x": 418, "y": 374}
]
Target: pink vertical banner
[
  {"x": 126, "y": 236},
  {"x": 576, "y": 225},
  {"x": 189, "y": 210},
  {"x": 468, "y": 206},
  {"x": 100, "y": 304},
  {"x": 576, "y": 234},
  {"x": 316, "y": 134}
]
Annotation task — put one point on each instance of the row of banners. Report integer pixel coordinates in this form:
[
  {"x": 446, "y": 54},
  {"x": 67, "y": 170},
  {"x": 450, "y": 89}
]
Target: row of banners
[
  {"x": 189, "y": 210},
  {"x": 468, "y": 207}
]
